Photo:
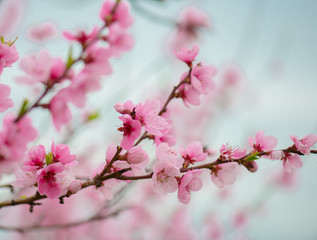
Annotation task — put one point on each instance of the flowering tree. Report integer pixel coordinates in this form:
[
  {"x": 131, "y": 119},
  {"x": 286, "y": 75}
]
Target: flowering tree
[{"x": 57, "y": 180}]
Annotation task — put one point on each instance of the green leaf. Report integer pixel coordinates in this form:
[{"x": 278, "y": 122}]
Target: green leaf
[
  {"x": 70, "y": 59},
  {"x": 93, "y": 116},
  {"x": 22, "y": 197},
  {"x": 24, "y": 107},
  {"x": 48, "y": 158},
  {"x": 252, "y": 157}
]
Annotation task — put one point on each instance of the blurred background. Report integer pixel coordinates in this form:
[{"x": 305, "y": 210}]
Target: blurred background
[{"x": 273, "y": 43}]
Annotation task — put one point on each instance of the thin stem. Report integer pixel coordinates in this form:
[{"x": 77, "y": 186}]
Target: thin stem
[{"x": 62, "y": 226}]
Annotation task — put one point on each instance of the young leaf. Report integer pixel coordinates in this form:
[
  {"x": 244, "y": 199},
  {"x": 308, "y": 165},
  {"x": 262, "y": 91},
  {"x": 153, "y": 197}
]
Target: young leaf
[
  {"x": 252, "y": 157},
  {"x": 48, "y": 158}
]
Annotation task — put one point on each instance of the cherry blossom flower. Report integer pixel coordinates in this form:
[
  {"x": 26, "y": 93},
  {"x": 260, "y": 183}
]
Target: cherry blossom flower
[
  {"x": 225, "y": 174},
  {"x": 119, "y": 40},
  {"x": 137, "y": 155},
  {"x": 8, "y": 55},
  {"x": 229, "y": 153},
  {"x": 202, "y": 78},
  {"x": 164, "y": 177},
  {"x": 11, "y": 15},
  {"x": 189, "y": 182},
  {"x": 58, "y": 106},
  {"x": 262, "y": 143},
  {"x": 40, "y": 68},
  {"x": 43, "y": 32},
  {"x": 166, "y": 169},
  {"x": 214, "y": 228},
  {"x": 187, "y": 55},
  {"x": 5, "y": 101},
  {"x": 82, "y": 84},
  {"x": 121, "y": 15},
  {"x": 291, "y": 161},
  {"x": 49, "y": 180},
  {"x": 15, "y": 136},
  {"x": 240, "y": 219},
  {"x": 97, "y": 60},
  {"x": 75, "y": 186},
  {"x": 304, "y": 144},
  {"x": 193, "y": 153},
  {"x": 167, "y": 136},
  {"x": 35, "y": 161},
  {"x": 84, "y": 38},
  {"x": 191, "y": 20},
  {"x": 189, "y": 95},
  {"x": 148, "y": 115},
  {"x": 125, "y": 108},
  {"x": 131, "y": 131},
  {"x": 61, "y": 153}
]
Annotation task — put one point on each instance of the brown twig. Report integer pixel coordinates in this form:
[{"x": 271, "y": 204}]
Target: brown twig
[{"x": 38, "y": 227}]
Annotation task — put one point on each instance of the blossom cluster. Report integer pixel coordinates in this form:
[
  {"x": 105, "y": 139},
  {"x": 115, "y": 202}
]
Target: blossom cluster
[
  {"x": 48, "y": 171},
  {"x": 52, "y": 174}
]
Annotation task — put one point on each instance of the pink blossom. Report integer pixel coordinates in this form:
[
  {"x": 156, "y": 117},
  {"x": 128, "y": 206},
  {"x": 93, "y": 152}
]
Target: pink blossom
[
  {"x": 43, "y": 32},
  {"x": 304, "y": 144},
  {"x": 137, "y": 155},
  {"x": 168, "y": 154},
  {"x": 119, "y": 40},
  {"x": 187, "y": 55},
  {"x": 240, "y": 219},
  {"x": 202, "y": 78},
  {"x": 192, "y": 17},
  {"x": 167, "y": 136},
  {"x": 49, "y": 180},
  {"x": 262, "y": 143},
  {"x": 35, "y": 161},
  {"x": 61, "y": 153},
  {"x": 231, "y": 76},
  {"x": 11, "y": 14},
  {"x": 75, "y": 186},
  {"x": 180, "y": 227},
  {"x": 82, "y": 84},
  {"x": 5, "y": 101},
  {"x": 131, "y": 131},
  {"x": 166, "y": 169},
  {"x": 291, "y": 161},
  {"x": 59, "y": 109},
  {"x": 165, "y": 177},
  {"x": 189, "y": 95},
  {"x": 214, "y": 228},
  {"x": 8, "y": 55},
  {"x": 148, "y": 115},
  {"x": 111, "y": 151},
  {"x": 285, "y": 179},
  {"x": 84, "y": 38},
  {"x": 121, "y": 14},
  {"x": 97, "y": 60},
  {"x": 230, "y": 153},
  {"x": 125, "y": 108},
  {"x": 14, "y": 137},
  {"x": 24, "y": 178},
  {"x": 41, "y": 68},
  {"x": 191, "y": 20},
  {"x": 225, "y": 174},
  {"x": 189, "y": 182},
  {"x": 193, "y": 153}
]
